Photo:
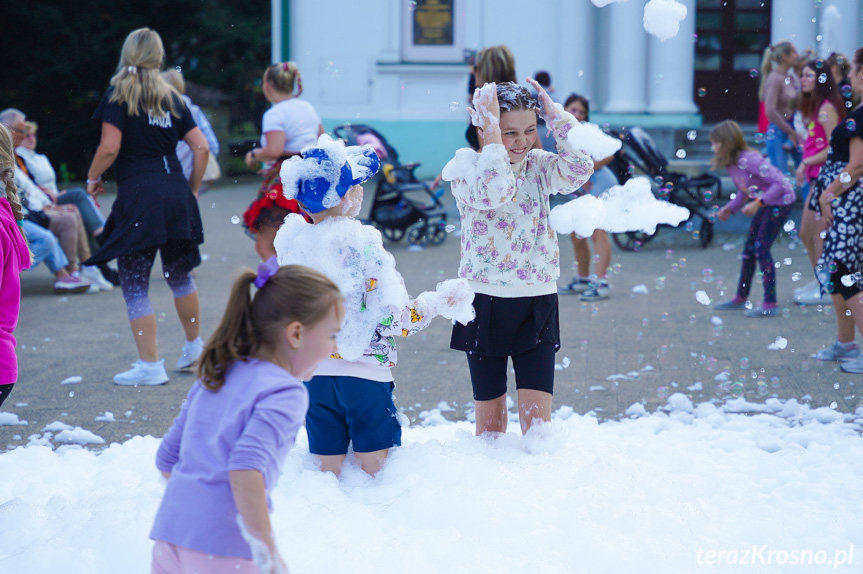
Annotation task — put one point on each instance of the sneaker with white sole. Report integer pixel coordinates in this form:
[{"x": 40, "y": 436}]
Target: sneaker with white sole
[
  {"x": 853, "y": 366},
  {"x": 596, "y": 292},
  {"x": 94, "y": 277},
  {"x": 70, "y": 284},
  {"x": 143, "y": 373},
  {"x": 730, "y": 305},
  {"x": 812, "y": 296},
  {"x": 838, "y": 352},
  {"x": 191, "y": 352},
  {"x": 577, "y": 285}
]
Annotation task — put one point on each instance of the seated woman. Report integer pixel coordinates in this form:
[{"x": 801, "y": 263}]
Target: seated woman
[{"x": 74, "y": 217}]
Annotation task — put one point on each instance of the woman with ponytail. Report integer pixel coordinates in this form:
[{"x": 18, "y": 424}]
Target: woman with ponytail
[
  {"x": 290, "y": 125},
  {"x": 223, "y": 455},
  {"x": 156, "y": 210},
  {"x": 14, "y": 256},
  {"x": 778, "y": 91}
]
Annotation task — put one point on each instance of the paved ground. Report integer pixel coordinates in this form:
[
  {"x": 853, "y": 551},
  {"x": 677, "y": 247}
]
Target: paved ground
[{"x": 633, "y": 347}]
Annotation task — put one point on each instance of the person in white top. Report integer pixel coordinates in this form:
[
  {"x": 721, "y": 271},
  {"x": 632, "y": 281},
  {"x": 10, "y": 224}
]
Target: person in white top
[{"x": 289, "y": 126}]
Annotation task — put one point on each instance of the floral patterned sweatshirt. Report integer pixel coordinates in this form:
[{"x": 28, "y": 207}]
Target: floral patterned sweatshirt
[{"x": 508, "y": 248}]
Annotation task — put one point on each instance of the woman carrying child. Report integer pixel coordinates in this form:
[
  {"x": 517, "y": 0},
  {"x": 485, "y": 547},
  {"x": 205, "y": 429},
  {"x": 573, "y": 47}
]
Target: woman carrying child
[
  {"x": 290, "y": 125},
  {"x": 225, "y": 450},
  {"x": 351, "y": 394},
  {"x": 509, "y": 252},
  {"x": 763, "y": 194}
]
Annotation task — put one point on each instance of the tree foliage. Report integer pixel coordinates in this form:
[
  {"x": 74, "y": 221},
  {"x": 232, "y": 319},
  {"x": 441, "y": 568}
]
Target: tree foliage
[{"x": 59, "y": 56}]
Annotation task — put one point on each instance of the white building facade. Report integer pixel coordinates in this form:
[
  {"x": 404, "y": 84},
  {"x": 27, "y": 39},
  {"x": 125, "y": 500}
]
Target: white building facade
[{"x": 400, "y": 65}]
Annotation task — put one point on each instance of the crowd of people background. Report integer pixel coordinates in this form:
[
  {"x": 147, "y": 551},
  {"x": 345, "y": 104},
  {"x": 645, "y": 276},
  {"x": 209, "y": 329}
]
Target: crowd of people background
[{"x": 272, "y": 364}]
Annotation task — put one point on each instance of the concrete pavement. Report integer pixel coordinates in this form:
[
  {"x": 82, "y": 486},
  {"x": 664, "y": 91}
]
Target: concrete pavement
[{"x": 633, "y": 347}]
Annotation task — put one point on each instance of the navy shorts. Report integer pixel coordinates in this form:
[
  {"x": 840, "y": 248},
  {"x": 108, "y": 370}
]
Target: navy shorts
[{"x": 345, "y": 409}]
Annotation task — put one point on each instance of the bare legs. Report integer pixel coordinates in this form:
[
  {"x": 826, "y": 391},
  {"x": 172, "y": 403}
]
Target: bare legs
[
  {"x": 602, "y": 247},
  {"x": 189, "y": 311},
  {"x": 811, "y": 227},
  {"x": 534, "y": 407},
  {"x": 370, "y": 462}
]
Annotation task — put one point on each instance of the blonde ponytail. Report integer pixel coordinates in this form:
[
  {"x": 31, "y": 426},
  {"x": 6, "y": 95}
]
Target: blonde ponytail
[
  {"x": 772, "y": 54},
  {"x": 284, "y": 76}
]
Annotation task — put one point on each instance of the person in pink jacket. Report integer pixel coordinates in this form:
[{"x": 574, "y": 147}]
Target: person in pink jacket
[
  {"x": 763, "y": 194},
  {"x": 14, "y": 256}
]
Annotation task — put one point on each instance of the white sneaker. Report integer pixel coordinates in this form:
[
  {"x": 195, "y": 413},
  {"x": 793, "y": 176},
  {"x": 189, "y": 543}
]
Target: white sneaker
[
  {"x": 812, "y": 297},
  {"x": 143, "y": 373},
  {"x": 812, "y": 285},
  {"x": 596, "y": 292},
  {"x": 191, "y": 352},
  {"x": 93, "y": 276}
]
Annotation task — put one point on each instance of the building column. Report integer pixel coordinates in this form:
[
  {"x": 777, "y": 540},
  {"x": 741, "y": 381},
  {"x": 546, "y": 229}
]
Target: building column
[
  {"x": 838, "y": 27},
  {"x": 793, "y": 20},
  {"x": 671, "y": 77},
  {"x": 576, "y": 23},
  {"x": 627, "y": 60}
]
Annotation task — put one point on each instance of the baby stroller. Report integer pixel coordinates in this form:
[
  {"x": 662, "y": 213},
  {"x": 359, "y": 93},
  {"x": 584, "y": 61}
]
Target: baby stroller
[
  {"x": 402, "y": 204},
  {"x": 639, "y": 152}
]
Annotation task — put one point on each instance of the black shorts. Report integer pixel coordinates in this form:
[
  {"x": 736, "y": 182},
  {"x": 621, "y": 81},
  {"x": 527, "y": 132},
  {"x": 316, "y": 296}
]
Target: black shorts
[
  {"x": 509, "y": 326},
  {"x": 831, "y": 282},
  {"x": 533, "y": 370}
]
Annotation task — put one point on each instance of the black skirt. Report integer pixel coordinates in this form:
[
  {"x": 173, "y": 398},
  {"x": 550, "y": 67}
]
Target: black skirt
[{"x": 507, "y": 326}]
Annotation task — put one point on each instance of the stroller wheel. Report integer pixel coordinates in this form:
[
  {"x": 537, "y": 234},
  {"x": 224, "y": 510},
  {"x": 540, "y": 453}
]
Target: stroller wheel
[
  {"x": 419, "y": 235},
  {"x": 393, "y": 234},
  {"x": 706, "y": 232},
  {"x": 438, "y": 233},
  {"x": 631, "y": 240}
]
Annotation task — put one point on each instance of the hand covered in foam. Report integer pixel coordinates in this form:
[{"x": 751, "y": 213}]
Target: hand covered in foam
[
  {"x": 452, "y": 299},
  {"x": 546, "y": 108},
  {"x": 485, "y": 113}
]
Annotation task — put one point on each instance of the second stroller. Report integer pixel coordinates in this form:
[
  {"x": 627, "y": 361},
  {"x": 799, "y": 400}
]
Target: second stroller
[{"x": 402, "y": 204}]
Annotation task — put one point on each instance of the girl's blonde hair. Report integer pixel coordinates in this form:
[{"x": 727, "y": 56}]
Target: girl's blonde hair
[
  {"x": 494, "y": 64},
  {"x": 283, "y": 76},
  {"x": 732, "y": 143},
  {"x": 7, "y": 174},
  {"x": 251, "y": 326},
  {"x": 137, "y": 82},
  {"x": 772, "y": 55}
]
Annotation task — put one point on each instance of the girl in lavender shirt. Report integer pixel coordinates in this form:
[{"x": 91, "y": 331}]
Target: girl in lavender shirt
[
  {"x": 764, "y": 194},
  {"x": 223, "y": 454}
]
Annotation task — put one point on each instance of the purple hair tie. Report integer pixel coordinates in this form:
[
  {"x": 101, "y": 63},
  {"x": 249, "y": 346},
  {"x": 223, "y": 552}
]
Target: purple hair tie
[{"x": 266, "y": 270}]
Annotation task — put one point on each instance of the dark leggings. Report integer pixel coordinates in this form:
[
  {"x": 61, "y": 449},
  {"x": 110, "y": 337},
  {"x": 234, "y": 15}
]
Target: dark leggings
[
  {"x": 766, "y": 225},
  {"x": 4, "y": 392},
  {"x": 134, "y": 270},
  {"x": 533, "y": 370}
]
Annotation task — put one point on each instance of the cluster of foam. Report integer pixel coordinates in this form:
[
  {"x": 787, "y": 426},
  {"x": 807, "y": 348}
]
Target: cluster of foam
[
  {"x": 349, "y": 253},
  {"x": 592, "y": 140},
  {"x": 603, "y": 3},
  {"x": 451, "y": 299},
  {"x": 662, "y": 18},
  {"x": 622, "y": 208},
  {"x": 266, "y": 562},
  {"x": 509, "y": 92},
  {"x": 481, "y": 115},
  {"x": 296, "y": 170}
]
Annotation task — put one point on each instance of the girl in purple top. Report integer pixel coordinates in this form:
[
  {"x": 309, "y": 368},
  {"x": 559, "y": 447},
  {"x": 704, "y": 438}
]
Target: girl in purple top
[
  {"x": 14, "y": 256},
  {"x": 764, "y": 194},
  {"x": 223, "y": 454}
]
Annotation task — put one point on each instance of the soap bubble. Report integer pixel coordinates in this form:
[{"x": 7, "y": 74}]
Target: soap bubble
[
  {"x": 744, "y": 363},
  {"x": 179, "y": 70},
  {"x": 737, "y": 388},
  {"x": 796, "y": 276},
  {"x": 851, "y": 125},
  {"x": 822, "y": 78},
  {"x": 691, "y": 135},
  {"x": 753, "y": 73},
  {"x": 453, "y": 105},
  {"x": 702, "y": 92},
  {"x": 662, "y": 392},
  {"x": 450, "y": 228},
  {"x": 235, "y": 219},
  {"x": 681, "y": 153},
  {"x": 759, "y": 138}
]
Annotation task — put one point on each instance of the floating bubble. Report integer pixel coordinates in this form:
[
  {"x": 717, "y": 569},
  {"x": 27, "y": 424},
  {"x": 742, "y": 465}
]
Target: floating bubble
[
  {"x": 412, "y": 5},
  {"x": 450, "y": 228},
  {"x": 616, "y": 268},
  {"x": 453, "y": 106},
  {"x": 796, "y": 276},
  {"x": 708, "y": 195},
  {"x": 636, "y": 245},
  {"x": 660, "y": 283},
  {"x": 691, "y": 135},
  {"x": 681, "y": 153},
  {"x": 848, "y": 280},
  {"x": 753, "y": 73},
  {"x": 737, "y": 388},
  {"x": 71, "y": 394},
  {"x": 674, "y": 267},
  {"x": 644, "y": 322},
  {"x": 788, "y": 80},
  {"x": 832, "y": 266},
  {"x": 662, "y": 392},
  {"x": 235, "y": 219},
  {"x": 774, "y": 382},
  {"x": 689, "y": 226},
  {"x": 822, "y": 78},
  {"x": 851, "y": 125},
  {"x": 702, "y": 92},
  {"x": 744, "y": 363},
  {"x": 759, "y": 138},
  {"x": 179, "y": 69},
  {"x": 846, "y": 91},
  {"x": 664, "y": 317},
  {"x": 836, "y": 386},
  {"x": 763, "y": 389},
  {"x": 692, "y": 319},
  {"x": 630, "y": 169}
]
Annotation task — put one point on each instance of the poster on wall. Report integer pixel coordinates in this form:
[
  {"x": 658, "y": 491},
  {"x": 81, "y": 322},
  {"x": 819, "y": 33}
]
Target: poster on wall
[{"x": 433, "y": 23}]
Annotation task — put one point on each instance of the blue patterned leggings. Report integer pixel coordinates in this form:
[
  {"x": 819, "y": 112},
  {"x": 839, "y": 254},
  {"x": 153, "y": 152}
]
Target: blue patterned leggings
[{"x": 765, "y": 228}]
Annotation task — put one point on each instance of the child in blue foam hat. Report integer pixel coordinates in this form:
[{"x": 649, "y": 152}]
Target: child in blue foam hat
[{"x": 350, "y": 395}]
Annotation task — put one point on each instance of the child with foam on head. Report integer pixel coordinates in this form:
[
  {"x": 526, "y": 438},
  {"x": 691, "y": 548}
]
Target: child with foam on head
[
  {"x": 223, "y": 454},
  {"x": 763, "y": 194},
  {"x": 509, "y": 252},
  {"x": 351, "y": 393}
]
